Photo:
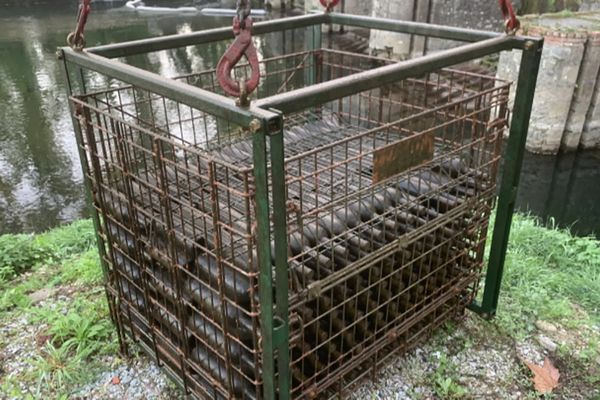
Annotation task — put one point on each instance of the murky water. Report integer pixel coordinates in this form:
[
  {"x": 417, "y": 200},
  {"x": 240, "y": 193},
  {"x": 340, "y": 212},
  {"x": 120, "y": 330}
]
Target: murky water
[{"x": 40, "y": 177}]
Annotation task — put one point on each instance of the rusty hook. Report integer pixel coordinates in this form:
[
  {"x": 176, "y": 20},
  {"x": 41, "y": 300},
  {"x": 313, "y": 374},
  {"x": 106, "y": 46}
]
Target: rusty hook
[
  {"x": 242, "y": 46},
  {"x": 76, "y": 39},
  {"x": 329, "y": 4}
]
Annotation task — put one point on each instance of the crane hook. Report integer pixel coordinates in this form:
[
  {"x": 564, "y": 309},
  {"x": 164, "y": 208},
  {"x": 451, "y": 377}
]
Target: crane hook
[{"x": 241, "y": 46}]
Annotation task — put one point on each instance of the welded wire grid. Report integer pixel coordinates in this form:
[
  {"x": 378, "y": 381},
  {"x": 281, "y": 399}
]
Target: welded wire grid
[
  {"x": 372, "y": 262},
  {"x": 375, "y": 261}
]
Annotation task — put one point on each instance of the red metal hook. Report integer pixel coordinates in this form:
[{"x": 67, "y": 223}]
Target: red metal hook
[
  {"x": 511, "y": 23},
  {"x": 329, "y": 4},
  {"x": 241, "y": 46},
  {"x": 77, "y": 39}
]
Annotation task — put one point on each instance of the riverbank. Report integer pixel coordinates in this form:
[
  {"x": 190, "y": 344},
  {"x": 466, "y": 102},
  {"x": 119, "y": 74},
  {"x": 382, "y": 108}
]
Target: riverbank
[{"x": 56, "y": 339}]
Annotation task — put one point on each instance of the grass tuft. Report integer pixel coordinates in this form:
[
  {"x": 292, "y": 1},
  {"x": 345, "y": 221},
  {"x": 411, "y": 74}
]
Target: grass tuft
[
  {"x": 20, "y": 253},
  {"x": 547, "y": 271}
]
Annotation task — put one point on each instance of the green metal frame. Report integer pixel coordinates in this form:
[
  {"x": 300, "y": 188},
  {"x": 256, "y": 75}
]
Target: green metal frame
[{"x": 265, "y": 119}]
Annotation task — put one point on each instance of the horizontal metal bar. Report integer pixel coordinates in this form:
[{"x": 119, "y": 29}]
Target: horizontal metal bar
[
  {"x": 203, "y": 100},
  {"x": 417, "y": 28},
  {"x": 205, "y": 36},
  {"x": 424, "y": 29},
  {"x": 306, "y": 97}
]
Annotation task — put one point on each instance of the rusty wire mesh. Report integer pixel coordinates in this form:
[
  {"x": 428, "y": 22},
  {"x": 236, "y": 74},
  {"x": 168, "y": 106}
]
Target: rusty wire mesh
[{"x": 378, "y": 257}]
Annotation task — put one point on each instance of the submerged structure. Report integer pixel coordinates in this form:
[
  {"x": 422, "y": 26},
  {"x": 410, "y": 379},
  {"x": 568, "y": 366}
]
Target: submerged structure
[{"x": 288, "y": 246}]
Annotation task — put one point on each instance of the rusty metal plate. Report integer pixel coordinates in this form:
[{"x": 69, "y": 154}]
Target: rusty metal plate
[{"x": 398, "y": 157}]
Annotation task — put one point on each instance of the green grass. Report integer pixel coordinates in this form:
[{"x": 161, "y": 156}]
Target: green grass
[
  {"x": 549, "y": 275},
  {"x": 20, "y": 253},
  {"x": 64, "y": 262}
]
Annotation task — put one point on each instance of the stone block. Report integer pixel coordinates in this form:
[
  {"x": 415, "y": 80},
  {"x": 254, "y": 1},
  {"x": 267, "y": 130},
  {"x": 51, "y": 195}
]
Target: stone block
[
  {"x": 584, "y": 93},
  {"x": 559, "y": 72},
  {"x": 590, "y": 138},
  {"x": 399, "y": 43}
]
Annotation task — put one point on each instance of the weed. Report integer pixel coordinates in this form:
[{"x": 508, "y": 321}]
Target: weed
[
  {"x": 84, "y": 326},
  {"x": 19, "y": 253},
  {"x": 67, "y": 240},
  {"x": 84, "y": 269},
  {"x": 445, "y": 386},
  {"x": 58, "y": 367}
]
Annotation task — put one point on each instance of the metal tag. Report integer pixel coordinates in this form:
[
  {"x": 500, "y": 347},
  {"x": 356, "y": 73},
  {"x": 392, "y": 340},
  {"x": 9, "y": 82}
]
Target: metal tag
[{"x": 400, "y": 156}]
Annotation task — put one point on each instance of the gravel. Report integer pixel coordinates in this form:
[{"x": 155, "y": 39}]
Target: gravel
[
  {"x": 137, "y": 380},
  {"x": 18, "y": 347},
  {"x": 487, "y": 370},
  {"x": 475, "y": 357}
]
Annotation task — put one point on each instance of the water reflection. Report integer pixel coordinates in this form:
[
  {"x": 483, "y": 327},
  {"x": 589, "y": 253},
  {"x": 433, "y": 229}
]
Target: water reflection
[
  {"x": 563, "y": 190},
  {"x": 40, "y": 177}
]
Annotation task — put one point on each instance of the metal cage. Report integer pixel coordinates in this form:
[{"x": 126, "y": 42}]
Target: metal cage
[{"x": 287, "y": 249}]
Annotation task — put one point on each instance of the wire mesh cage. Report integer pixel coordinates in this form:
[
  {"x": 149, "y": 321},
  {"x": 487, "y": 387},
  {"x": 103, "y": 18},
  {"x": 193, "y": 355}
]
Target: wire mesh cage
[{"x": 377, "y": 207}]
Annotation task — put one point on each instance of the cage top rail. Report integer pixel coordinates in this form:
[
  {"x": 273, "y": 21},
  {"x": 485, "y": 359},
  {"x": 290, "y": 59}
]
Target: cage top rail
[
  {"x": 204, "y": 36},
  {"x": 210, "y": 35},
  {"x": 308, "y": 96},
  {"x": 205, "y": 100},
  {"x": 265, "y": 113}
]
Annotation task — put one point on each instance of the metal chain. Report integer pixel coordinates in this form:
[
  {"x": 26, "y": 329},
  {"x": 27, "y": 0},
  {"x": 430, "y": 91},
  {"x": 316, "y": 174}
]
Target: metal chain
[
  {"x": 76, "y": 39},
  {"x": 511, "y": 22},
  {"x": 329, "y": 4},
  {"x": 244, "y": 7}
]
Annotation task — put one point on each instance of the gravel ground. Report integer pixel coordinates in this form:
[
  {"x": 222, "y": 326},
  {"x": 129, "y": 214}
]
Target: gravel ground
[
  {"x": 471, "y": 356},
  {"x": 487, "y": 369},
  {"x": 17, "y": 347},
  {"x": 137, "y": 380}
]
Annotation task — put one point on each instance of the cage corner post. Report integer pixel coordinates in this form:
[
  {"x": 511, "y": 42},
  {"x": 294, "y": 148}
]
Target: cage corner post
[
  {"x": 274, "y": 318},
  {"x": 274, "y": 127},
  {"x": 526, "y": 84},
  {"x": 88, "y": 189}
]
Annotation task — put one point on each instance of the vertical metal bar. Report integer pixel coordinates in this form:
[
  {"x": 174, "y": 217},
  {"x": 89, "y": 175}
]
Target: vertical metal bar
[
  {"x": 528, "y": 72},
  {"x": 90, "y": 203},
  {"x": 316, "y": 60},
  {"x": 263, "y": 248},
  {"x": 281, "y": 265},
  {"x": 315, "y": 46},
  {"x": 85, "y": 172}
]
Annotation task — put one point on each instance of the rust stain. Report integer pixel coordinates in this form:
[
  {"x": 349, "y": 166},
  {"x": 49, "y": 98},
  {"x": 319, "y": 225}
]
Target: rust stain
[{"x": 400, "y": 156}]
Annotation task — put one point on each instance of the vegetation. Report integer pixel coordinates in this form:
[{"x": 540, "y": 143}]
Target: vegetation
[
  {"x": 20, "y": 253},
  {"x": 53, "y": 280},
  {"x": 549, "y": 275},
  {"x": 60, "y": 292}
]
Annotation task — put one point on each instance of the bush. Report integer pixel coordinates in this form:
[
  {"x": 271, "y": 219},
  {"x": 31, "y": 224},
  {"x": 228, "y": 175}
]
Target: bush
[{"x": 19, "y": 253}]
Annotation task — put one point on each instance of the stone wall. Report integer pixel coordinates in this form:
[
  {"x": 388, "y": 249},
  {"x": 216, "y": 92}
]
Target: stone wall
[
  {"x": 397, "y": 43},
  {"x": 566, "y": 109},
  {"x": 590, "y": 5},
  {"x": 472, "y": 14}
]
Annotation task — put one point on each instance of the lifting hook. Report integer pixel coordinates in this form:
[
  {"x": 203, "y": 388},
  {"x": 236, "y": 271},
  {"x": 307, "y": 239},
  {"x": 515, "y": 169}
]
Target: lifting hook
[
  {"x": 76, "y": 39},
  {"x": 329, "y": 4},
  {"x": 511, "y": 22},
  {"x": 242, "y": 46}
]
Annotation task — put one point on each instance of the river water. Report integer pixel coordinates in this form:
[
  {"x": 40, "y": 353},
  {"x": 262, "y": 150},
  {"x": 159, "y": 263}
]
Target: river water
[{"x": 40, "y": 178}]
